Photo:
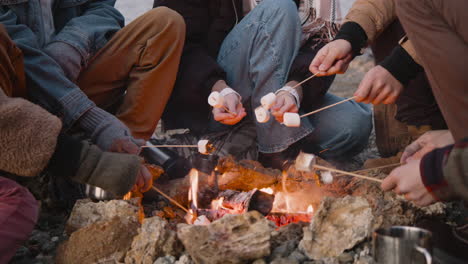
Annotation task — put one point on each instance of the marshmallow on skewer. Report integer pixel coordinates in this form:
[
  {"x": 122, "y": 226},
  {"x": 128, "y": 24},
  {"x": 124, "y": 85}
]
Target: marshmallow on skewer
[
  {"x": 305, "y": 162},
  {"x": 205, "y": 147},
  {"x": 262, "y": 114},
  {"x": 326, "y": 177},
  {"x": 216, "y": 100},
  {"x": 291, "y": 120},
  {"x": 268, "y": 100}
]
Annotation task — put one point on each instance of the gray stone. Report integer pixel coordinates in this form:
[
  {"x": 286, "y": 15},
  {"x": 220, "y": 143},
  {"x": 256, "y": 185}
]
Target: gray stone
[
  {"x": 184, "y": 259},
  {"x": 154, "y": 240},
  {"x": 346, "y": 258},
  {"x": 338, "y": 225},
  {"x": 284, "y": 261},
  {"x": 259, "y": 261},
  {"x": 297, "y": 255},
  {"x": 165, "y": 260},
  {"x": 231, "y": 239},
  {"x": 85, "y": 212}
]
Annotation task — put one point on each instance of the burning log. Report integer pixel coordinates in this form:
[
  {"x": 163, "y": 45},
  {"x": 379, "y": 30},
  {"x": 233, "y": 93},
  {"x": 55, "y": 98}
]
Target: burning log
[{"x": 235, "y": 202}]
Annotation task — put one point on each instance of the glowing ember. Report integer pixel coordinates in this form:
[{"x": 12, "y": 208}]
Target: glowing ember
[
  {"x": 217, "y": 204},
  {"x": 267, "y": 190},
  {"x": 310, "y": 210}
]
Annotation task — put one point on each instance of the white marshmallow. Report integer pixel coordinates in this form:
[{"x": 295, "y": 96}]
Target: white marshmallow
[
  {"x": 305, "y": 162},
  {"x": 326, "y": 177},
  {"x": 268, "y": 100},
  {"x": 216, "y": 100},
  {"x": 291, "y": 120},
  {"x": 203, "y": 146},
  {"x": 262, "y": 114}
]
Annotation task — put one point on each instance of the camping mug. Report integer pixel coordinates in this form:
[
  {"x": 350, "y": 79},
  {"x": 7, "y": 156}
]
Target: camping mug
[{"x": 402, "y": 245}]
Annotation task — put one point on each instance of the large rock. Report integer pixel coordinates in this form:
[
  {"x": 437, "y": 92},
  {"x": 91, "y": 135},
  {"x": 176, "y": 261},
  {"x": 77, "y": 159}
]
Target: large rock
[
  {"x": 102, "y": 242},
  {"x": 339, "y": 224},
  {"x": 231, "y": 239},
  {"x": 154, "y": 240},
  {"x": 85, "y": 212}
]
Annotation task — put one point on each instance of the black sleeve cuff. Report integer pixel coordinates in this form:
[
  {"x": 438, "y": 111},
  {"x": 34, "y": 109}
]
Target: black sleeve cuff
[
  {"x": 401, "y": 65},
  {"x": 432, "y": 175},
  {"x": 355, "y": 34}
]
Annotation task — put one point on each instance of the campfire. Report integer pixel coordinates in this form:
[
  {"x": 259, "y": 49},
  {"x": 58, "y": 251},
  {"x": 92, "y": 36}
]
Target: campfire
[{"x": 236, "y": 212}]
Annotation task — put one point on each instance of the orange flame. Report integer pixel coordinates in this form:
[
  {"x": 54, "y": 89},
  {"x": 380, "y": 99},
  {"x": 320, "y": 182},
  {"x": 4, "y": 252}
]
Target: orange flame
[
  {"x": 310, "y": 209},
  {"x": 217, "y": 204},
  {"x": 193, "y": 192}
]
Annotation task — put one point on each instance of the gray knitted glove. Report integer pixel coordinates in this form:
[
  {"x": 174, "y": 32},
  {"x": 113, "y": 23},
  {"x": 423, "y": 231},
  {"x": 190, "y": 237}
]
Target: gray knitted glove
[
  {"x": 67, "y": 57},
  {"x": 108, "y": 132}
]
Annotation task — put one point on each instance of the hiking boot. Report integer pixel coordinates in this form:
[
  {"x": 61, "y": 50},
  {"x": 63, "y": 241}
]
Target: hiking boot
[
  {"x": 392, "y": 136},
  {"x": 381, "y": 162}
]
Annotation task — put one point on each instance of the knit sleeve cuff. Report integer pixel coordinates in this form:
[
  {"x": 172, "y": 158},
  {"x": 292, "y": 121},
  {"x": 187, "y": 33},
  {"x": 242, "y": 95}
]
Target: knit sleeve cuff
[
  {"x": 93, "y": 118},
  {"x": 401, "y": 65},
  {"x": 355, "y": 34},
  {"x": 432, "y": 175}
]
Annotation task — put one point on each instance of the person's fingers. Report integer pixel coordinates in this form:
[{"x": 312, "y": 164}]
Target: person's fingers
[
  {"x": 364, "y": 89},
  {"x": 422, "y": 152},
  {"x": 318, "y": 59},
  {"x": 426, "y": 200},
  {"x": 410, "y": 150},
  {"x": 391, "y": 98},
  {"x": 279, "y": 102},
  {"x": 328, "y": 61},
  {"x": 381, "y": 96},
  {"x": 287, "y": 106},
  {"x": 147, "y": 179},
  {"x": 389, "y": 183}
]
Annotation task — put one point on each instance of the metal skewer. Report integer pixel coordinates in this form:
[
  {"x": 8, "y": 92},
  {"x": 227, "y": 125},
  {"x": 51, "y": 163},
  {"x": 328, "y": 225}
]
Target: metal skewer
[
  {"x": 348, "y": 173},
  {"x": 171, "y": 146}
]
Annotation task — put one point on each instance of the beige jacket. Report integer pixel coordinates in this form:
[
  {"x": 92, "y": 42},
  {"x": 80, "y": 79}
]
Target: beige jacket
[{"x": 374, "y": 16}]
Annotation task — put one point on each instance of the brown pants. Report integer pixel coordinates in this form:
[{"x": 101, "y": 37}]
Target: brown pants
[
  {"x": 439, "y": 32},
  {"x": 12, "y": 78},
  {"x": 137, "y": 70}
]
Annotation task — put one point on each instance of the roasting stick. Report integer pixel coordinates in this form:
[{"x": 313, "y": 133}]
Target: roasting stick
[
  {"x": 376, "y": 168},
  {"x": 326, "y": 107},
  {"x": 171, "y": 200},
  {"x": 299, "y": 84},
  {"x": 171, "y": 146},
  {"x": 347, "y": 173}
]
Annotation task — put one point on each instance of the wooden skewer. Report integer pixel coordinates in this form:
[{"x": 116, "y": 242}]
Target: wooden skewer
[
  {"x": 376, "y": 168},
  {"x": 348, "y": 173},
  {"x": 171, "y": 200},
  {"x": 227, "y": 110},
  {"x": 171, "y": 146},
  {"x": 299, "y": 84},
  {"x": 330, "y": 106}
]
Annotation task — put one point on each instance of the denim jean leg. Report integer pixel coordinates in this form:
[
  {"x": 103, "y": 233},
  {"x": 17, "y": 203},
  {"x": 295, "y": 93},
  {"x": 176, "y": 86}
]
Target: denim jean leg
[
  {"x": 257, "y": 55},
  {"x": 341, "y": 131}
]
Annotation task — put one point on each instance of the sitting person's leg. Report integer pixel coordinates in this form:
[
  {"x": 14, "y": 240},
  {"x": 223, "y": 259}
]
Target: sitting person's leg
[
  {"x": 341, "y": 131},
  {"x": 257, "y": 55},
  {"x": 18, "y": 215},
  {"x": 142, "y": 60}
]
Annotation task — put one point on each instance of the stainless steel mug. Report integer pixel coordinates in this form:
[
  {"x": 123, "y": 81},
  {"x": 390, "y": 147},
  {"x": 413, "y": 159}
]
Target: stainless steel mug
[{"x": 402, "y": 245}]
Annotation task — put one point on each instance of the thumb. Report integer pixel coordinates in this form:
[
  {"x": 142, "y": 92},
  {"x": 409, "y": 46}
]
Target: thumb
[
  {"x": 389, "y": 183},
  {"x": 410, "y": 150},
  {"x": 328, "y": 61}
]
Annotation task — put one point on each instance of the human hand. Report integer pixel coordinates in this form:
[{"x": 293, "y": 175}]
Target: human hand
[
  {"x": 232, "y": 112},
  {"x": 426, "y": 143},
  {"x": 285, "y": 102},
  {"x": 333, "y": 58},
  {"x": 378, "y": 86},
  {"x": 144, "y": 180},
  {"x": 406, "y": 180}
]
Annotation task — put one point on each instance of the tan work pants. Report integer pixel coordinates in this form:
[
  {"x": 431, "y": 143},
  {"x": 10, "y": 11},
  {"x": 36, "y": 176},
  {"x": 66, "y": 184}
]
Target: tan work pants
[
  {"x": 439, "y": 32},
  {"x": 137, "y": 70}
]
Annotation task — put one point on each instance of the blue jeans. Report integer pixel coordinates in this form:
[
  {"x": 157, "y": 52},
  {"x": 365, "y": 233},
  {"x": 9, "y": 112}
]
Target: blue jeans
[{"x": 257, "y": 55}]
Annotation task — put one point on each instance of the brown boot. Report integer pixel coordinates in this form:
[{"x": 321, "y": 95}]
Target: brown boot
[
  {"x": 415, "y": 132},
  {"x": 392, "y": 136},
  {"x": 374, "y": 163}
]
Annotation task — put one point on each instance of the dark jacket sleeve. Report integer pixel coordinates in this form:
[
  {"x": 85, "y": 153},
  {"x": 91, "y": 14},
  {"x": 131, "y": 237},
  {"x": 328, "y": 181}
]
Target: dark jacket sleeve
[
  {"x": 444, "y": 171},
  {"x": 46, "y": 82},
  {"x": 316, "y": 87}
]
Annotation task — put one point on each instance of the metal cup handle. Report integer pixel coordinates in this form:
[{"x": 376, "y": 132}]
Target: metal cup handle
[{"x": 425, "y": 253}]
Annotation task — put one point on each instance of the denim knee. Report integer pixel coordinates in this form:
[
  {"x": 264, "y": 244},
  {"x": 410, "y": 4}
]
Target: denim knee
[{"x": 282, "y": 10}]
